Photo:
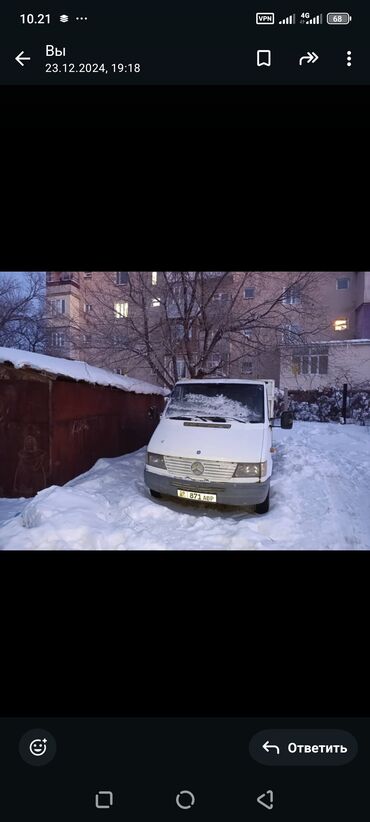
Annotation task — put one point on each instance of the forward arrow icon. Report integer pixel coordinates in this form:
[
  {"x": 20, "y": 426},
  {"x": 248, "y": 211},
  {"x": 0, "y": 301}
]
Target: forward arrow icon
[{"x": 310, "y": 57}]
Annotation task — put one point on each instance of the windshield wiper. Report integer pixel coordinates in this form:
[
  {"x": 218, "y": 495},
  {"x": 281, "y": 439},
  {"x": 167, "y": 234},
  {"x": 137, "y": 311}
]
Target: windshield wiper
[
  {"x": 194, "y": 417},
  {"x": 238, "y": 419}
]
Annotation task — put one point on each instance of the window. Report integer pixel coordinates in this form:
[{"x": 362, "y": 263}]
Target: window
[
  {"x": 292, "y": 295},
  {"x": 218, "y": 362},
  {"x": 180, "y": 332},
  {"x": 313, "y": 361},
  {"x": 340, "y": 325},
  {"x": 121, "y": 310},
  {"x": 87, "y": 338},
  {"x": 122, "y": 277},
  {"x": 247, "y": 367},
  {"x": 118, "y": 370},
  {"x": 249, "y": 293},
  {"x": 222, "y": 297},
  {"x": 57, "y": 339},
  {"x": 58, "y": 306},
  {"x": 155, "y": 302},
  {"x": 181, "y": 369},
  {"x": 87, "y": 273},
  {"x": 247, "y": 333},
  {"x": 342, "y": 282},
  {"x": 154, "y": 277},
  {"x": 87, "y": 308},
  {"x": 290, "y": 333}
]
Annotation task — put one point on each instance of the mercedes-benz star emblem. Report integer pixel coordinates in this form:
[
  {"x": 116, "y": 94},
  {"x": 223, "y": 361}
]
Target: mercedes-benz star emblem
[{"x": 197, "y": 468}]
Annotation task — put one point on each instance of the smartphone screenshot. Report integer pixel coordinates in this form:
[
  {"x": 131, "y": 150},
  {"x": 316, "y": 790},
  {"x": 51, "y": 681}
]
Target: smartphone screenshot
[
  {"x": 184, "y": 465},
  {"x": 193, "y": 43},
  {"x": 212, "y": 61},
  {"x": 230, "y": 407},
  {"x": 190, "y": 768}
]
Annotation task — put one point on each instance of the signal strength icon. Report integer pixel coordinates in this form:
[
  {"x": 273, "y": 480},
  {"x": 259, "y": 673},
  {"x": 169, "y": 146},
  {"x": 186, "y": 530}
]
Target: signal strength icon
[
  {"x": 317, "y": 19},
  {"x": 290, "y": 20},
  {"x": 64, "y": 18}
]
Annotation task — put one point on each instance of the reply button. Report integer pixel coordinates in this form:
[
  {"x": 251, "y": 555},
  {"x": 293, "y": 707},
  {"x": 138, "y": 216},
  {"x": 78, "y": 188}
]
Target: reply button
[{"x": 306, "y": 747}]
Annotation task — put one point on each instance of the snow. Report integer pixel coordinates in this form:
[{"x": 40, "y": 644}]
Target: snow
[
  {"x": 217, "y": 405},
  {"x": 77, "y": 370},
  {"x": 319, "y": 500}
]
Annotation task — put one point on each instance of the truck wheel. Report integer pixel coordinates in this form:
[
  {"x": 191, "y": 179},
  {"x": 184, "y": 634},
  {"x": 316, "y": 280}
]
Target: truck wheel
[
  {"x": 263, "y": 507},
  {"x": 155, "y": 494}
]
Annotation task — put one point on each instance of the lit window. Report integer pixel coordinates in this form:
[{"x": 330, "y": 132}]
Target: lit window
[
  {"x": 154, "y": 277},
  {"x": 342, "y": 282},
  {"x": 122, "y": 277},
  {"x": 249, "y": 293},
  {"x": 222, "y": 297},
  {"x": 121, "y": 309},
  {"x": 87, "y": 308},
  {"x": 340, "y": 325},
  {"x": 155, "y": 302}
]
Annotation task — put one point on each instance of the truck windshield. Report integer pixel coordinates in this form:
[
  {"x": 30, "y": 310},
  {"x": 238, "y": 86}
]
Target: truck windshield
[{"x": 218, "y": 400}]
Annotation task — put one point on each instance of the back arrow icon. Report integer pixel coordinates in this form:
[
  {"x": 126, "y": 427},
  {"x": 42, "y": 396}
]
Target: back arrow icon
[
  {"x": 270, "y": 803},
  {"x": 311, "y": 57},
  {"x": 267, "y": 747},
  {"x": 19, "y": 58}
]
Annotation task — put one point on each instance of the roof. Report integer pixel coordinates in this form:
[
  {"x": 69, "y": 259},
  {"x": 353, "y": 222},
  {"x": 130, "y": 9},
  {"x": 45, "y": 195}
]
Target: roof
[{"x": 76, "y": 370}]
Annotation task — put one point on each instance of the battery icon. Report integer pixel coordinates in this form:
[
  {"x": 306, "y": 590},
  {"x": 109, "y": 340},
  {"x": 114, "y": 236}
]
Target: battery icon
[{"x": 338, "y": 18}]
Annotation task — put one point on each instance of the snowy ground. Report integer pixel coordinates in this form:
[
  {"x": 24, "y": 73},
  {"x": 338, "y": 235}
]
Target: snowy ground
[{"x": 319, "y": 500}]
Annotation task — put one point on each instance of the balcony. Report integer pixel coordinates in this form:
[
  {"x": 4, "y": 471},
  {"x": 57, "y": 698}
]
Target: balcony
[{"x": 63, "y": 278}]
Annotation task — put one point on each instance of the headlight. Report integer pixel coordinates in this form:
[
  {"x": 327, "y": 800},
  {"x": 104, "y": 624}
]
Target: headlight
[
  {"x": 156, "y": 460},
  {"x": 251, "y": 469}
]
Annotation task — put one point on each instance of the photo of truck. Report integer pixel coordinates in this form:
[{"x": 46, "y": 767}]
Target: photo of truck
[{"x": 213, "y": 443}]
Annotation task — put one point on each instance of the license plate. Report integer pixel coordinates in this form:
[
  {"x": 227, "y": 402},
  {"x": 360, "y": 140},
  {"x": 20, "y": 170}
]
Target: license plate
[{"x": 196, "y": 496}]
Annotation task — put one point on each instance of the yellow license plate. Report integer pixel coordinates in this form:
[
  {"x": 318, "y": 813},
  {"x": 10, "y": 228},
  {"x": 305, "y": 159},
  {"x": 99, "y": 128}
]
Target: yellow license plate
[{"x": 197, "y": 497}]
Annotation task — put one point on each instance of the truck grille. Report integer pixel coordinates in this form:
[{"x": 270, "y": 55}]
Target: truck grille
[{"x": 213, "y": 469}]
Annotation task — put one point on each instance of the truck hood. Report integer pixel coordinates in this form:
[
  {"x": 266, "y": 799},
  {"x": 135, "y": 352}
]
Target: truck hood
[{"x": 242, "y": 442}]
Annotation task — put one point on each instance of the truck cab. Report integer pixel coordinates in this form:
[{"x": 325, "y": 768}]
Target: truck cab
[{"x": 213, "y": 443}]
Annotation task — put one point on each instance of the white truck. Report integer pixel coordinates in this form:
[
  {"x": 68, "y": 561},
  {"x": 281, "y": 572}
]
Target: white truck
[{"x": 213, "y": 443}]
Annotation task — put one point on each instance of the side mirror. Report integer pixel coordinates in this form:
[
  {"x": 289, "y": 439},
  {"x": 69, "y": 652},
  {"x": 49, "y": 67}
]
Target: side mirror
[{"x": 286, "y": 419}]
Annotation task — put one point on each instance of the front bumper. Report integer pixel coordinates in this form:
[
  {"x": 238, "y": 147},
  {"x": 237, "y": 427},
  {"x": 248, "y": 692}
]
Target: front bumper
[{"x": 228, "y": 493}]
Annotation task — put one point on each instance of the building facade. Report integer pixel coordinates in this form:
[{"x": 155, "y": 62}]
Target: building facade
[{"x": 318, "y": 336}]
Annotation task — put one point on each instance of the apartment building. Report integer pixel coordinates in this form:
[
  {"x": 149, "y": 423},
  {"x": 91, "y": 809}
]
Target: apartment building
[{"x": 318, "y": 337}]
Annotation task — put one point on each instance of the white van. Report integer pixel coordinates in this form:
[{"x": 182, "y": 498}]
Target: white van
[{"x": 213, "y": 443}]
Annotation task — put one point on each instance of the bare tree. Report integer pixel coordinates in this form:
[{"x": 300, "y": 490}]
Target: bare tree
[
  {"x": 200, "y": 321},
  {"x": 22, "y": 313}
]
